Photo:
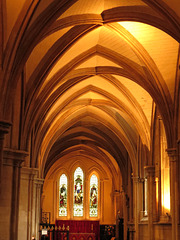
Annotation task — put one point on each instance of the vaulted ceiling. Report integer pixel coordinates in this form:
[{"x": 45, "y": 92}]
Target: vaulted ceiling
[{"x": 93, "y": 71}]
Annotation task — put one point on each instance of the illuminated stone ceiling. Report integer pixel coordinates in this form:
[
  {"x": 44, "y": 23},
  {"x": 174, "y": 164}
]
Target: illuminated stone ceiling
[{"x": 93, "y": 72}]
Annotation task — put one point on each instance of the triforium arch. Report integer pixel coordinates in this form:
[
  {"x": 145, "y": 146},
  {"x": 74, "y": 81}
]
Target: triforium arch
[{"x": 93, "y": 84}]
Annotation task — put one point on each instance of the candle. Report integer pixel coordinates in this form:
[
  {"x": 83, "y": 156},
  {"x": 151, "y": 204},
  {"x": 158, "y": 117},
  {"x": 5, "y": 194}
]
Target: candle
[{"x": 91, "y": 227}]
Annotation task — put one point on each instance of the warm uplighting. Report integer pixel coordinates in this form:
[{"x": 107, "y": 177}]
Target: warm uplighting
[
  {"x": 157, "y": 190},
  {"x": 166, "y": 196},
  {"x": 165, "y": 176},
  {"x": 139, "y": 30}
]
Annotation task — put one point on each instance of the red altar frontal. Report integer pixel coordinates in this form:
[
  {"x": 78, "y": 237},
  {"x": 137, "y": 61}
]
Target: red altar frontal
[
  {"x": 81, "y": 230},
  {"x": 82, "y": 236}
]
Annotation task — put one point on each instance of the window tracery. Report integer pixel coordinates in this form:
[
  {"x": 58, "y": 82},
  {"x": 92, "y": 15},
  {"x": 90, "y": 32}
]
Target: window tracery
[{"x": 78, "y": 189}]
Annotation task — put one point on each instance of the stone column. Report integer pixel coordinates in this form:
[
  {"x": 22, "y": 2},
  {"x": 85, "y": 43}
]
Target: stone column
[
  {"x": 150, "y": 173},
  {"x": 101, "y": 199},
  {"x": 29, "y": 212},
  {"x": 136, "y": 205},
  {"x": 125, "y": 214},
  {"x": 142, "y": 200},
  {"x": 12, "y": 160},
  {"x": 55, "y": 208},
  {"x": 86, "y": 198},
  {"x": 4, "y": 129},
  {"x": 37, "y": 207},
  {"x": 172, "y": 153},
  {"x": 116, "y": 201},
  {"x": 117, "y": 211}
]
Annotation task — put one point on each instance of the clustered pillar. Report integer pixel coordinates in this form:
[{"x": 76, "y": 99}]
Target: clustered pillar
[
  {"x": 4, "y": 129},
  {"x": 172, "y": 153},
  {"x": 30, "y": 204},
  {"x": 136, "y": 205},
  {"x": 150, "y": 173}
]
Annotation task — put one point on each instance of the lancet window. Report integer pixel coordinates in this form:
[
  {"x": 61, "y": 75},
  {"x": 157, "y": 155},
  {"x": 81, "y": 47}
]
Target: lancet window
[
  {"x": 71, "y": 195},
  {"x": 63, "y": 195},
  {"x": 93, "y": 208},
  {"x": 78, "y": 192}
]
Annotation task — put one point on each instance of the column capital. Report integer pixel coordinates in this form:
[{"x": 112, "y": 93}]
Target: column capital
[
  {"x": 116, "y": 192},
  {"x": 149, "y": 170},
  {"x": 29, "y": 173},
  {"x": 39, "y": 181},
  {"x": 4, "y": 127},
  {"x": 135, "y": 179},
  {"x": 172, "y": 153},
  {"x": 13, "y": 157},
  {"x": 141, "y": 180},
  {"x": 124, "y": 187}
]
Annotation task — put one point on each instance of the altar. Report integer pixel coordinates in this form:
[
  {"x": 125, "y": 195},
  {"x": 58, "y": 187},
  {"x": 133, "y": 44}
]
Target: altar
[{"x": 80, "y": 229}]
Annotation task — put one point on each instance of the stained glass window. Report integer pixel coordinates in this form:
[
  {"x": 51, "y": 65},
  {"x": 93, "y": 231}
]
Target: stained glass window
[
  {"x": 78, "y": 192},
  {"x": 63, "y": 195},
  {"x": 93, "y": 208}
]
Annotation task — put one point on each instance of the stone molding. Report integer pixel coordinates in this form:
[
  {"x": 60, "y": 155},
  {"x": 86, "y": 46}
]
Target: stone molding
[
  {"x": 141, "y": 180},
  {"x": 13, "y": 157},
  {"x": 39, "y": 182},
  {"x": 29, "y": 173},
  {"x": 4, "y": 128},
  {"x": 172, "y": 153},
  {"x": 149, "y": 170},
  {"x": 117, "y": 193},
  {"x": 135, "y": 179}
]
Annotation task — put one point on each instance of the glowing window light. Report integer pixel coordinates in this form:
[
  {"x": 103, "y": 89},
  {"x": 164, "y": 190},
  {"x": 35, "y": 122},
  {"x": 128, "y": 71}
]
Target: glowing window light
[
  {"x": 63, "y": 195},
  {"x": 78, "y": 192},
  {"x": 93, "y": 207}
]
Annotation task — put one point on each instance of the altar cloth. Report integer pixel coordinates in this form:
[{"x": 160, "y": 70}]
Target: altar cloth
[
  {"x": 82, "y": 236},
  {"x": 81, "y": 226}
]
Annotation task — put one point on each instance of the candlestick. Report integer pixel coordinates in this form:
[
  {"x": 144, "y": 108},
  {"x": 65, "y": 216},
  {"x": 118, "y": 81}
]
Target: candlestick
[{"x": 92, "y": 227}]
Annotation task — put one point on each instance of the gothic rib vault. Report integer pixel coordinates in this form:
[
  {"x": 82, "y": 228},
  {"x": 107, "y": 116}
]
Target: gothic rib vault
[{"x": 86, "y": 77}]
